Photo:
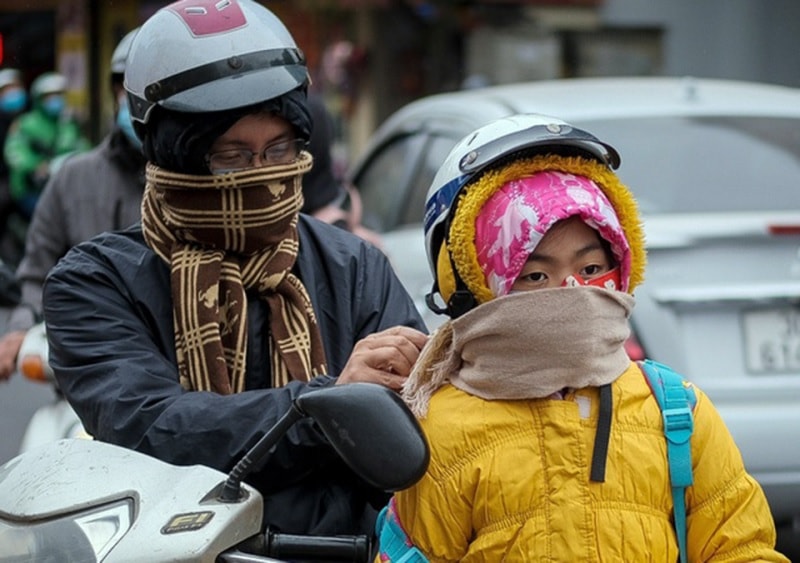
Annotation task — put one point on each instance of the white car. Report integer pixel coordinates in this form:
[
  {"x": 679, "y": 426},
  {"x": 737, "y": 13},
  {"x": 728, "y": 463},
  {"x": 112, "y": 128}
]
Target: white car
[{"x": 715, "y": 166}]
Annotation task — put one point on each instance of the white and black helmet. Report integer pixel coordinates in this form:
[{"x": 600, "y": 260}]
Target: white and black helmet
[
  {"x": 48, "y": 83},
  {"x": 10, "y": 76},
  {"x": 241, "y": 54},
  {"x": 119, "y": 58},
  {"x": 488, "y": 147}
]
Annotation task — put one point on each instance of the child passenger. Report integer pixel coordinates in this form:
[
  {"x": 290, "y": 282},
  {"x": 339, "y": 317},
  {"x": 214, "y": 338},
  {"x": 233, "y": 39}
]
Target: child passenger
[{"x": 547, "y": 443}]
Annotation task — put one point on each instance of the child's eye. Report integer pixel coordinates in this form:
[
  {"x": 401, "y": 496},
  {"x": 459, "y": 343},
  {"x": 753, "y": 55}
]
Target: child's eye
[
  {"x": 535, "y": 277},
  {"x": 593, "y": 270}
]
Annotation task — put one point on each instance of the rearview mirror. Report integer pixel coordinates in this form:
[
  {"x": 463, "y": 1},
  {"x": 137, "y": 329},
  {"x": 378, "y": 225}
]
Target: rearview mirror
[
  {"x": 368, "y": 425},
  {"x": 371, "y": 428}
]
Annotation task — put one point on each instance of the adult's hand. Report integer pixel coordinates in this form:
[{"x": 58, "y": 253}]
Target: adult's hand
[
  {"x": 10, "y": 344},
  {"x": 385, "y": 357}
]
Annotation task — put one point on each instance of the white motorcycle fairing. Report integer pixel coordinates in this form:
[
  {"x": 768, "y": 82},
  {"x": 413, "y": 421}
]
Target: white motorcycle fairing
[{"x": 42, "y": 516}]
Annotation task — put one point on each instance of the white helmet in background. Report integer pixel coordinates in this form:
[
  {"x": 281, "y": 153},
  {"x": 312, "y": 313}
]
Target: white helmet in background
[
  {"x": 48, "y": 83},
  {"x": 10, "y": 76},
  {"x": 241, "y": 54},
  {"x": 119, "y": 57},
  {"x": 488, "y": 147}
]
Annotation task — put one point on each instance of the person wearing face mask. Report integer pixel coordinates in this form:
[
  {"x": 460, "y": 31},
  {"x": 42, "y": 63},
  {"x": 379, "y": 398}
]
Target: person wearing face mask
[
  {"x": 38, "y": 136},
  {"x": 89, "y": 193},
  {"x": 547, "y": 440},
  {"x": 13, "y": 101},
  {"x": 187, "y": 336}
]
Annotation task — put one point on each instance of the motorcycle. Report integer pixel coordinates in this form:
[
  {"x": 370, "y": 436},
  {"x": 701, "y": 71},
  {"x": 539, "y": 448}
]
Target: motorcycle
[
  {"x": 54, "y": 420},
  {"x": 85, "y": 501}
]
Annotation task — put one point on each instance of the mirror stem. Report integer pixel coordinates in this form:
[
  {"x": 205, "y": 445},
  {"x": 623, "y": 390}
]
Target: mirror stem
[{"x": 231, "y": 491}]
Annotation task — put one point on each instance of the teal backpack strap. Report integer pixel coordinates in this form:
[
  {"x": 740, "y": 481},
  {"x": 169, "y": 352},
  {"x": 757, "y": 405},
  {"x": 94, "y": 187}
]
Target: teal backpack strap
[
  {"x": 395, "y": 545},
  {"x": 676, "y": 400}
]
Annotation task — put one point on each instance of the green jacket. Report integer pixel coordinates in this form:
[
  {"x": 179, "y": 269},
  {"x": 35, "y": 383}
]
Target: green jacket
[{"x": 35, "y": 138}]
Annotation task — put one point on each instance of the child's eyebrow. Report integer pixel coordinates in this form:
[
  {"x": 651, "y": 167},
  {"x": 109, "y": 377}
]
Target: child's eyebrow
[
  {"x": 591, "y": 247},
  {"x": 539, "y": 257}
]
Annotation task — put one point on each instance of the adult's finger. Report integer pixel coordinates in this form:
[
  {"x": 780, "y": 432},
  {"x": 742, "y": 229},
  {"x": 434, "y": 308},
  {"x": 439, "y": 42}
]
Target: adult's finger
[
  {"x": 406, "y": 341},
  {"x": 9, "y": 348},
  {"x": 371, "y": 375}
]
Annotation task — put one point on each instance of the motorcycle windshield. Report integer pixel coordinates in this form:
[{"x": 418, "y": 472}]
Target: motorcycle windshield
[{"x": 85, "y": 537}]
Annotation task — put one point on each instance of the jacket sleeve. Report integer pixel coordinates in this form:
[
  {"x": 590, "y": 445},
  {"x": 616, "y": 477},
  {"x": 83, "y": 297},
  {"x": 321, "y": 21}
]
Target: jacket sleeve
[
  {"x": 728, "y": 518},
  {"x": 351, "y": 284},
  {"x": 436, "y": 517},
  {"x": 22, "y": 160},
  {"x": 388, "y": 303},
  {"x": 46, "y": 242},
  {"x": 111, "y": 361},
  {"x": 437, "y": 511},
  {"x": 70, "y": 138}
]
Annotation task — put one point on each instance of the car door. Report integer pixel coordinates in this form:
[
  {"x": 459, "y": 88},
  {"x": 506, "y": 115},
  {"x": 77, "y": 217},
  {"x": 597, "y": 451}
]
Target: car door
[{"x": 393, "y": 181}]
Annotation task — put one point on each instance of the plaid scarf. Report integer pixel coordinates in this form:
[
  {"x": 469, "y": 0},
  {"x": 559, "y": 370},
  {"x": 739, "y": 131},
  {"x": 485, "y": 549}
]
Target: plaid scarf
[{"x": 222, "y": 235}]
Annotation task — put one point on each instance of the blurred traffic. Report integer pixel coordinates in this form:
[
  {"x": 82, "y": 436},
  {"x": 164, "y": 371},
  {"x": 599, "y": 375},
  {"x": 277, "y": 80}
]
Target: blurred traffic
[{"x": 716, "y": 162}]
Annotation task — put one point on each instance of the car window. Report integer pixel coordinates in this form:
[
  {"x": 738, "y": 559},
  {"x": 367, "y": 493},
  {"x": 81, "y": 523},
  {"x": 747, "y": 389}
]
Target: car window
[
  {"x": 707, "y": 164},
  {"x": 384, "y": 181},
  {"x": 434, "y": 154}
]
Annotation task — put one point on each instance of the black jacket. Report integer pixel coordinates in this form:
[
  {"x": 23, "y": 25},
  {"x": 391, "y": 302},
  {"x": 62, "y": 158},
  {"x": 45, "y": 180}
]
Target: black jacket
[{"x": 107, "y": 305}]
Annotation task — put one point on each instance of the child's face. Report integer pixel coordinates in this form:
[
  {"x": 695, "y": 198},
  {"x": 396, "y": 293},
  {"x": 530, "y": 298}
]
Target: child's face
[{"x": 570, "y": 247}]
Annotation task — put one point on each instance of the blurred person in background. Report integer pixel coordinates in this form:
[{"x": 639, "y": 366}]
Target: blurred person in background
[
  {"x": 325, "y": 195},
  {"x": 34, "y": 139},
  {"x": 13, "y": 101},
  {"x": 100, "y": 190}
]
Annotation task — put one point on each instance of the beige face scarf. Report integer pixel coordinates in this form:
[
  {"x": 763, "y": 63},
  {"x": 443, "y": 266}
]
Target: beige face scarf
[
  {"x": 221, "y": 235},
  {"x": 527, "y": 345}
]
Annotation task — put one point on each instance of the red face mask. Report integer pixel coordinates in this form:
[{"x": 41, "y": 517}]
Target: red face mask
[{"x": 609, "y": 280}]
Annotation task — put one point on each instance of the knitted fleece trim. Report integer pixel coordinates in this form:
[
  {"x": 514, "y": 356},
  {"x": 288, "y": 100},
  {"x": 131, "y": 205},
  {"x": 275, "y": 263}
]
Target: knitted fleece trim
[{"x": 461, "y": 240}]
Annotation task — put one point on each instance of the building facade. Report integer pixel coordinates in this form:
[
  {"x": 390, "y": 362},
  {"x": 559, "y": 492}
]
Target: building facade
[{"x": 369, "y": 57}]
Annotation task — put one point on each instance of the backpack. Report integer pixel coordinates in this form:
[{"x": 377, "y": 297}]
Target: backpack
[{"x": 676, "y": 399}]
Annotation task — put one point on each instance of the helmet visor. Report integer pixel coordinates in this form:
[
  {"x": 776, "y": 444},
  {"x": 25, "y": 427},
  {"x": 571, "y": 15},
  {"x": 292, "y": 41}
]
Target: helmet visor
[
  {"x": 558, "y": 138},
  {"x": 195, "y": 89}
]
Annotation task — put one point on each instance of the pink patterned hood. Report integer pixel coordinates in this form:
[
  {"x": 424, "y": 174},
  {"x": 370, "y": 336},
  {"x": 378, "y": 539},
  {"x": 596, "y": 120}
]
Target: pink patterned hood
[{"x": 516, "y": 217}]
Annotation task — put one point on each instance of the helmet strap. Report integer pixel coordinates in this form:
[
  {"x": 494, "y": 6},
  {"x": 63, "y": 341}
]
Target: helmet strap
[
  {"x": 462, "y": 301},
  {"x": 430, "y": 300}
]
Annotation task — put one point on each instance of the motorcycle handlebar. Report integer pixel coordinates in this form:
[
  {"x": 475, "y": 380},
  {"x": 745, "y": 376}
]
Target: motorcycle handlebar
[
  {"x": 323, "y": 548},
  {"x": 276, "y": 547}
]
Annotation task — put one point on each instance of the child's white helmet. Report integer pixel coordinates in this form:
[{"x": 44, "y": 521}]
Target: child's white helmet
[{"x": 486, "y": 148}]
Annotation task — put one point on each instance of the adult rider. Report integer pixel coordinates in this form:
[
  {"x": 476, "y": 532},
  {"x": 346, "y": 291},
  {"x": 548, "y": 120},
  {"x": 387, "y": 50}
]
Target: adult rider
[{"x": 187, "y": 336}]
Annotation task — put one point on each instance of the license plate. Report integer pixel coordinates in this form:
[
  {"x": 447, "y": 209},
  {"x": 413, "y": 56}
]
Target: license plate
[{"x": 772, "y": 340}]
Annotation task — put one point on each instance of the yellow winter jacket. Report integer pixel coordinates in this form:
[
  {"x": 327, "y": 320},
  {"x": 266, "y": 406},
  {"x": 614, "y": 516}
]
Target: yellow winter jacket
[{"x": 510, "y": 482}]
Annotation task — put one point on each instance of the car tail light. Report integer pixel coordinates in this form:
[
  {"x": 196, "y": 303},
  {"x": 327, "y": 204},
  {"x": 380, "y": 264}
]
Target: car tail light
[
  {"x": 634, "y": 349},
  {"x": 784, "y": 229}
]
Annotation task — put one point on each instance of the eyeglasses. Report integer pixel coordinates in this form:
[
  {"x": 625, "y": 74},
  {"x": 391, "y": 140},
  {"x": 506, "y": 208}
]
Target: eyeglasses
[{"x": 283, "y": 151}]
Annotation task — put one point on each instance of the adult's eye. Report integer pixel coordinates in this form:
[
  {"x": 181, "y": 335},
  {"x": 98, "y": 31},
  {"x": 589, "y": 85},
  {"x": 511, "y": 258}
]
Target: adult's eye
[{"x": 229, "y": 157}]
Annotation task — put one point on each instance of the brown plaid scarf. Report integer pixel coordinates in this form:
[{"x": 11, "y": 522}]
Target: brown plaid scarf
[{"x": 222, "y": 235}]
